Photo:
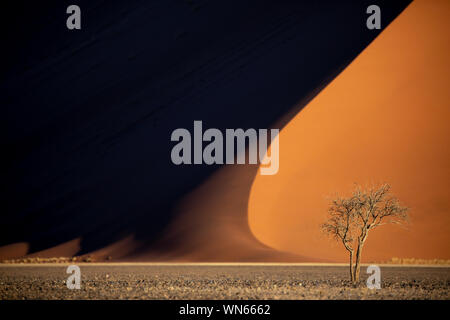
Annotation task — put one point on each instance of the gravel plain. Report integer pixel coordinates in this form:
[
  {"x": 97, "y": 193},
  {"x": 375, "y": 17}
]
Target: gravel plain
[{"x": 219, "y": 281}]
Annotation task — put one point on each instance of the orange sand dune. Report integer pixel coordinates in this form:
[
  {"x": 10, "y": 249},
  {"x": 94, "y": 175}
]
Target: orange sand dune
[
  {"x": 13, "y": 250},
  {"x": 383, "y": 119},
  {"x": 21, "y": 250},
  {"x": 66, "y": 249},
  {"x": 116, "y": 250}
]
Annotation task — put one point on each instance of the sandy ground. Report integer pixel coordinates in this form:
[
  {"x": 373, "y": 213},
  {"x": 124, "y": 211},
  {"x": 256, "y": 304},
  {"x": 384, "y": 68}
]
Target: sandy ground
[{"x": 219, "y": 281}]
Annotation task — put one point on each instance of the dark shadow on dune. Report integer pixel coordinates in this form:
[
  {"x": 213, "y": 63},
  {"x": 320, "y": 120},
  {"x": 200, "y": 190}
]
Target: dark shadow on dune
[{"x": 90, "y": 114}]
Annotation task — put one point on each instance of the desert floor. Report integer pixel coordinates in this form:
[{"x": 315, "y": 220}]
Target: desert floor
[{"x": 219, "y": 281}]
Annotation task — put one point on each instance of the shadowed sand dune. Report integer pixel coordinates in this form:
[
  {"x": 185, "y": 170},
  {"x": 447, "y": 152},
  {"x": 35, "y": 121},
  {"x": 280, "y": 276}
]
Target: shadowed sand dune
[
  {"x": 385, "y": 118},
  {"x": 211, "y": 224},
  {"x": 90, "y": 115}
]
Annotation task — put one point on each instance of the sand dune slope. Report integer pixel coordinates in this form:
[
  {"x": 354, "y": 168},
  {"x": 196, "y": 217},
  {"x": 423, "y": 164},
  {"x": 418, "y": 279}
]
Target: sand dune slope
[{"x": 384, "y": 118}]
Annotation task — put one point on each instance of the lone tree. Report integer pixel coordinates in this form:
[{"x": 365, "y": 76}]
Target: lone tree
[{"x": 350, "y": 219}]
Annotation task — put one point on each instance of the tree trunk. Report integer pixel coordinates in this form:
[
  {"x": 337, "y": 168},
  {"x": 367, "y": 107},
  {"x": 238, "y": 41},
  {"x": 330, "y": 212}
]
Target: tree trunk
[
  {"x": 351, "y": 267},
  {"x": 357, "y": 263},
  {"x": 361, "y": 241}
]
